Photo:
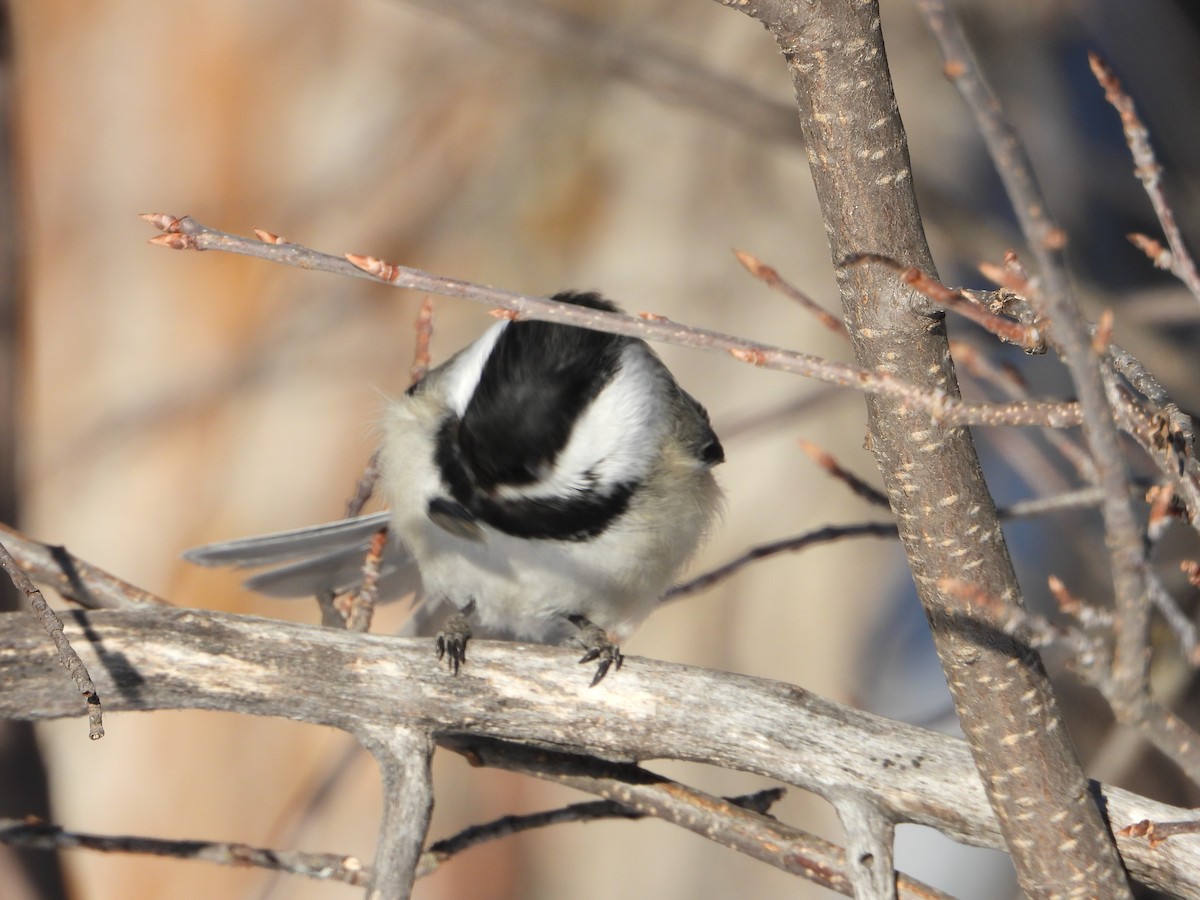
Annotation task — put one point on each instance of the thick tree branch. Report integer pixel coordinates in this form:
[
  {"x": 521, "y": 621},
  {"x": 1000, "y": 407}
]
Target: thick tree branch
[
  {"x": 404, "y": 754},
  {"x": 858, "y": 155},
  {"x": 168, "y": 658}
]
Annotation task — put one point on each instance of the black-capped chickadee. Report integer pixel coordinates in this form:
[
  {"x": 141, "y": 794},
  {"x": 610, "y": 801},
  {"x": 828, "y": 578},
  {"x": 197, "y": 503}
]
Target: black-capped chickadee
[{"x": 547, "y": 481}]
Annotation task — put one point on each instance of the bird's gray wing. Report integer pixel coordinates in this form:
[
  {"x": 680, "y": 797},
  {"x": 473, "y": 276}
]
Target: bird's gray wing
[
  {"x": 288, "y": 545},
  {"x": 316, "y": 559}
]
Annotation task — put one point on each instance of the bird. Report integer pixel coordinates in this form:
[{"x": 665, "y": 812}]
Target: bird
[{"x": 548, "y": 482}]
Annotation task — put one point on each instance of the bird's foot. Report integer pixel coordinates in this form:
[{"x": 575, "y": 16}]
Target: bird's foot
[
  {"x": 452, "y": 640},
  {"x": 596, "y": 646}
]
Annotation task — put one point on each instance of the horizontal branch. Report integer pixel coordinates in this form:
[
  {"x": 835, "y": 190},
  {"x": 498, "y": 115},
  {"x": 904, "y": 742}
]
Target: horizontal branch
[
  {"x": 1084, "y": 497},
  {"x": 739, "y": 827},
  {"x": 185, "y": 233},
  {"x": 167, "y": 658},
  {"x": 321, "y": 866},
  {"x": 792, "y": 850}
]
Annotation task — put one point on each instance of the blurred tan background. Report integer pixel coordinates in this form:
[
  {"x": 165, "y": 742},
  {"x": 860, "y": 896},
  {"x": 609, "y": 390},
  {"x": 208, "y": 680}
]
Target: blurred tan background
[{"x": 169, "y": 399}]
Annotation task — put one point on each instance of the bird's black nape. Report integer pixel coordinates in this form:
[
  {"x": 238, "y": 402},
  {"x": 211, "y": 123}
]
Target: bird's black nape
[
  {"x": 590, "y": 299},
  {"x": 539, "y": 378}
]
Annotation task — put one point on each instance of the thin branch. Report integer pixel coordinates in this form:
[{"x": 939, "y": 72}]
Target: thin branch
[
  {"x": 365, "y": 487},
  {"x": 420, "y": 365},
  {"x": 54, "y": 628},
  {"x": 1036, "y": 506},
  {"x": 770, "y": 276},
  {"x": 1011, "y": 386},
  {"x": 1164, "y": 431},
  {"x": 360, "y": 603},
  {"x": 858, "y": 487},
  {"x": 421, "y": 352},
  {"x": 1086, "y": 614},
  {"x": 89, "y": 586},
  {"x": 1148, "y": 171},
  {"x": 1017, "y": 621},
  {"x": 321, "y": 866},
  {"x": 1085, "y": 497},
  {"x": 588, "y": 811},
  {"x": 826, "y": 861},
  {"x": 1158, "y": 832},
  {"x": 187, "y": 234},
  {"x": 1072, "y": 337},
  {"x": 1143, "y": 380},
  {"x": 792, "y": 544},
  {"x": 1015, "y": 287},
  {"x": 1028, "y": 337},
  {"x": 745, "y": 830}
]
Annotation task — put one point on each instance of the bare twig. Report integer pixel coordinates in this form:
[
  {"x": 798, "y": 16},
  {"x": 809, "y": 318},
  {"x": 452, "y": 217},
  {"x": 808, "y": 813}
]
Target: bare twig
[
  {"x": 365, "y": 487},
  {"x": 859, "y": 487},
  {"x": 1072, "y": 337},
  {"x": 66, "y": 653},
  {"x": 1036, "y": 506},
  {"x": 1017, "y": 621},
  {"x": 321, "y": 866},
  {"x": 1158, "y": 832},
  {"x": 361, "y": 602},
  {"x": 1095, "y": 665},
  {"x": 1028, "y": 337},
  {"x": 370, "y": 476},
  {"x": 187, "y": 234},
  {"x": 1162, "y": 728},
  {"x": 787, "y": 545},
  {"x": 1164, "y": 431},
  {"x": 352, "y": 871},
  {"x": 1011, "y": 386},
  {"x": 772, "y": 279},
  {"x": 73, "y": 578},
  {"x": 1177, "y": 620},
  {"x": 588, "y": 811},
  {"x": 421, "y": 353},
  {"x": 1155, "y": 252},
  {"x": 746, "y": 830},
  {"x": 1149, "y": 172},
  {"x": 1086, "y": 614},
  {"x": 1143, "y": 380},
  {"x": 1084, "y": 497}
]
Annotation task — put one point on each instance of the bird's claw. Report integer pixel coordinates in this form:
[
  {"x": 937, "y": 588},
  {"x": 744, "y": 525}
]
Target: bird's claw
[
  {"x": 452, "y": 640},
  {"x": 597, "y": 646}
]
